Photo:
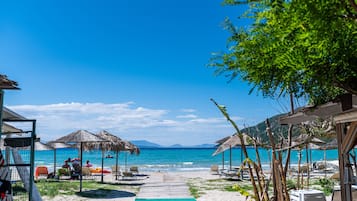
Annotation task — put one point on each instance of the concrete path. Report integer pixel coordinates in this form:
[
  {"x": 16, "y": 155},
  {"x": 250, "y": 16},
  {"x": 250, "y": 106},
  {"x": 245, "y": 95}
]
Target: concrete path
[{"x": 164, "y": 185}]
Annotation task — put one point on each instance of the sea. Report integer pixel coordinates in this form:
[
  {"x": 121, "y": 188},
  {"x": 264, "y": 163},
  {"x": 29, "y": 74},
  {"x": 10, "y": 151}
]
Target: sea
[{"x": 173, "y": 159}]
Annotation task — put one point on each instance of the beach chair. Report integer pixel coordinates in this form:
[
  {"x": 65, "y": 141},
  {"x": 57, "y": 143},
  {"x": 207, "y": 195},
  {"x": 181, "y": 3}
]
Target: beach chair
[
  {"x": 134, "y": 169},
  {"x": 86, "y": 173},
  {"x": 116, "y": 171},
  {"x": 41, "y": 172},
  {"x": 128, "y": 176},
  {"x": 214, "y": 169}
]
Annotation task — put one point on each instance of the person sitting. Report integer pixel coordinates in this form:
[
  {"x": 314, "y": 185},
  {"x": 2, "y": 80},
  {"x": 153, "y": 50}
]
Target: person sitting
[
  {"x": 76, "y": 170},
  {"x": 66, "y": 165},
  {"x": 88, "y": 164}
]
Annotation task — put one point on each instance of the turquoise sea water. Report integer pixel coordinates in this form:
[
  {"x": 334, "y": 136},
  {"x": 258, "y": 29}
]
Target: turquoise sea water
[{"x": 171, "y": 159}]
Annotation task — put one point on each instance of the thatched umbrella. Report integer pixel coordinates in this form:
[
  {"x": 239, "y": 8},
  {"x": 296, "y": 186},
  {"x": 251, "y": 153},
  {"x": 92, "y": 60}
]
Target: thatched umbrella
[
  {"x": 82, "y": 137},
  {"x": 5, "y": 83},
  {"x": 115, "y": 143},
  {"x": 219, "y": 142},
  {"x": 55, "y": 146},
  {"x": 305, "y": 140},
  {"x": 330, "y": 145},
  {"x": 231, "y": 141}
]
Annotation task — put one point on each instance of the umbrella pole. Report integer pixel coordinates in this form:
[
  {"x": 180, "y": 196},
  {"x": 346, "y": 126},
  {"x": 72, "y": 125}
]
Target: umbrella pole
[
  {"x": 222, "y": 160},
  {"x": 325, "y": 163},
  {"x": 80, "y": 175},
  {"x": 102, "y": 176},
  {"x": 116, "y": 165},
  {"x": 126, "y": 161},
  {"x": 54, "y": 162},
  {"x": 230, "y": 157}
]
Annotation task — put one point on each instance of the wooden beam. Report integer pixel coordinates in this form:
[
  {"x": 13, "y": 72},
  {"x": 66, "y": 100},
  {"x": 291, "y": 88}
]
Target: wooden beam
[
  {"x": 339, "y": 132},
  {"x": 349, "y": 140}
]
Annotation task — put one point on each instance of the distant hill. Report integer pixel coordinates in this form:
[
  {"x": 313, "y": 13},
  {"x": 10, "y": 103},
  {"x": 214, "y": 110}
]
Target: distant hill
[
  {"x": 205, "y": 146},
  {"x": 145, "y": 144},
  {"x": 176, "y": 146},
  {"x": 260, "y": 128}
]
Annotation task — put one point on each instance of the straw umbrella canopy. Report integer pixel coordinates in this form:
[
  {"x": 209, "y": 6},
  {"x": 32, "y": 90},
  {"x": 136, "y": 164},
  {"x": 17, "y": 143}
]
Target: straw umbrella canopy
[
  {"x": 55, "y": 146},
  {"x": 219, "y": 142},
  {"x": 330, "y": 145},
  {"x": 231, "y": 141},
  {"x": 115, "y": 143},
  {"x": 83, "y": 138},
  {"x": 307, "y": 141}
]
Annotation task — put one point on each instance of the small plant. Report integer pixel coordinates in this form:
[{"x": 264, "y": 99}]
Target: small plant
[
  {"x": 327, "y": 185},
  {"x": 243, "y": 190},
  {"x": 194, "y": 191},
  {"x": 290, "y": 184}
]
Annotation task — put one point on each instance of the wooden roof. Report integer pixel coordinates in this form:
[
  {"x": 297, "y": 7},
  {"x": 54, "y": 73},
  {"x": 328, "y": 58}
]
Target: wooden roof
[
  {"x": 5, "y": 83},
  {"x": 311, "y": 113}
]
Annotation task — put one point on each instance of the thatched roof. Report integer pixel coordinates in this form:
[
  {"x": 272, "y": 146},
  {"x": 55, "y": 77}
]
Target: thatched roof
[
  {"x": 231, "y": 142},
  {"x": 9, "y": 129},
  {"x": 5, "y": 83},
  {"x": 115, "y": 143},
  {"x": 58, "y": 145},
  {"x": 79, "y": 136},
  {"x": 8, "y": 114}
]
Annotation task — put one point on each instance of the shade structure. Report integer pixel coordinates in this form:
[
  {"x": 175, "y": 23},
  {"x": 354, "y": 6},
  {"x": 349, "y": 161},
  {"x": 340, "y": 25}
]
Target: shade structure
[
  {"x": 9, "y": 129},
  {"x": 55, "y": 146},
  {"x": 115, "y": 143},
  {"x": 81, "y": 137},
  {"x": 306, "y": 141},
  {"x": 229, "y": 143},
  {"x": 327, "y": 146},
  {"x": 6, "y": 83}
]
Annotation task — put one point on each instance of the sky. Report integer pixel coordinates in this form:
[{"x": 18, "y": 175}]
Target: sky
[{"x": 137, "y": 69}]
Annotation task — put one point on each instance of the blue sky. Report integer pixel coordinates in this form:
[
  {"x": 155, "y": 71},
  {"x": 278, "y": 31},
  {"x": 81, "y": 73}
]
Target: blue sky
[{"x": 135, "y": 68}]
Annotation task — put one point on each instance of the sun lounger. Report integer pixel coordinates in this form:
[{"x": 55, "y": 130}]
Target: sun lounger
[
  {"x": 214, "y": 169},
  {"x": 41, "y": 172},
  {"x": 86, "y": 173},
  {"x": 134, "y": 169},
  {"x": 116, "y": 171},
  {"x": 128, "y": 176}
]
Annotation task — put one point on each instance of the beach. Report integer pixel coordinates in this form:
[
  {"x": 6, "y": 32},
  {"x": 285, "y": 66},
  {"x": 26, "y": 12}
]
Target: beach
[
  {"x": 197, "y": 178},
  {"x": 211, "y": 187},
  {"x": 188, "y": 166}
]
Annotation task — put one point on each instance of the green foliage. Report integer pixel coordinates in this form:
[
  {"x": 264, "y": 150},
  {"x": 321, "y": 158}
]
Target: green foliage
[
  {"x": 243, "y": 190},
  {"x": 290, "y": 184},
  {"x": 327, "y": 185},
  {"x": 194, "y": 191},
  {"x": 306, "y": 47}
]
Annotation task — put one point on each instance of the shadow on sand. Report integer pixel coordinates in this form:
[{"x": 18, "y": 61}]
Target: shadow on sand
[{"x": 101, "y": 193}]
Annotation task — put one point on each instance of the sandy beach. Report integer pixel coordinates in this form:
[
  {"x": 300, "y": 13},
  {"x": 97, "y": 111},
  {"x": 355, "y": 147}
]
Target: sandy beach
[
  {"x": 210, "y": 187},
  {"x": 203, "y": 180}
]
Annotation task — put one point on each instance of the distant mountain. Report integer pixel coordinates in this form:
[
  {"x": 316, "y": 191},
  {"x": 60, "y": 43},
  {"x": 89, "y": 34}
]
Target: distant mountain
[
  {"x": 205, "y": 146},
  {"x": 260, "y": 129},
  {"x": 145, "y": 144},
  {"x": 176, "y": 146}
]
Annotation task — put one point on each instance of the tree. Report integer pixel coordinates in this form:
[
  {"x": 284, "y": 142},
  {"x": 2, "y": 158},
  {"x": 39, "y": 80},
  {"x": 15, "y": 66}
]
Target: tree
[{"x": 305, "y": 48}]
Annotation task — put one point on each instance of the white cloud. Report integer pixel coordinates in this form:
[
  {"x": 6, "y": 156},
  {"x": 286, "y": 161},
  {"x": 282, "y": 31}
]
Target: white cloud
[
  {"x": 126, "y": 120},
  {"x": 187, "y": 116},
  {"x": 188, "y": 110}
]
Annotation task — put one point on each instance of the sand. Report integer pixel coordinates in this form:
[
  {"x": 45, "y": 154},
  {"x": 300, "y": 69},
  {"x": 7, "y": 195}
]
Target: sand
[{"x": 210, "y": 187}]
